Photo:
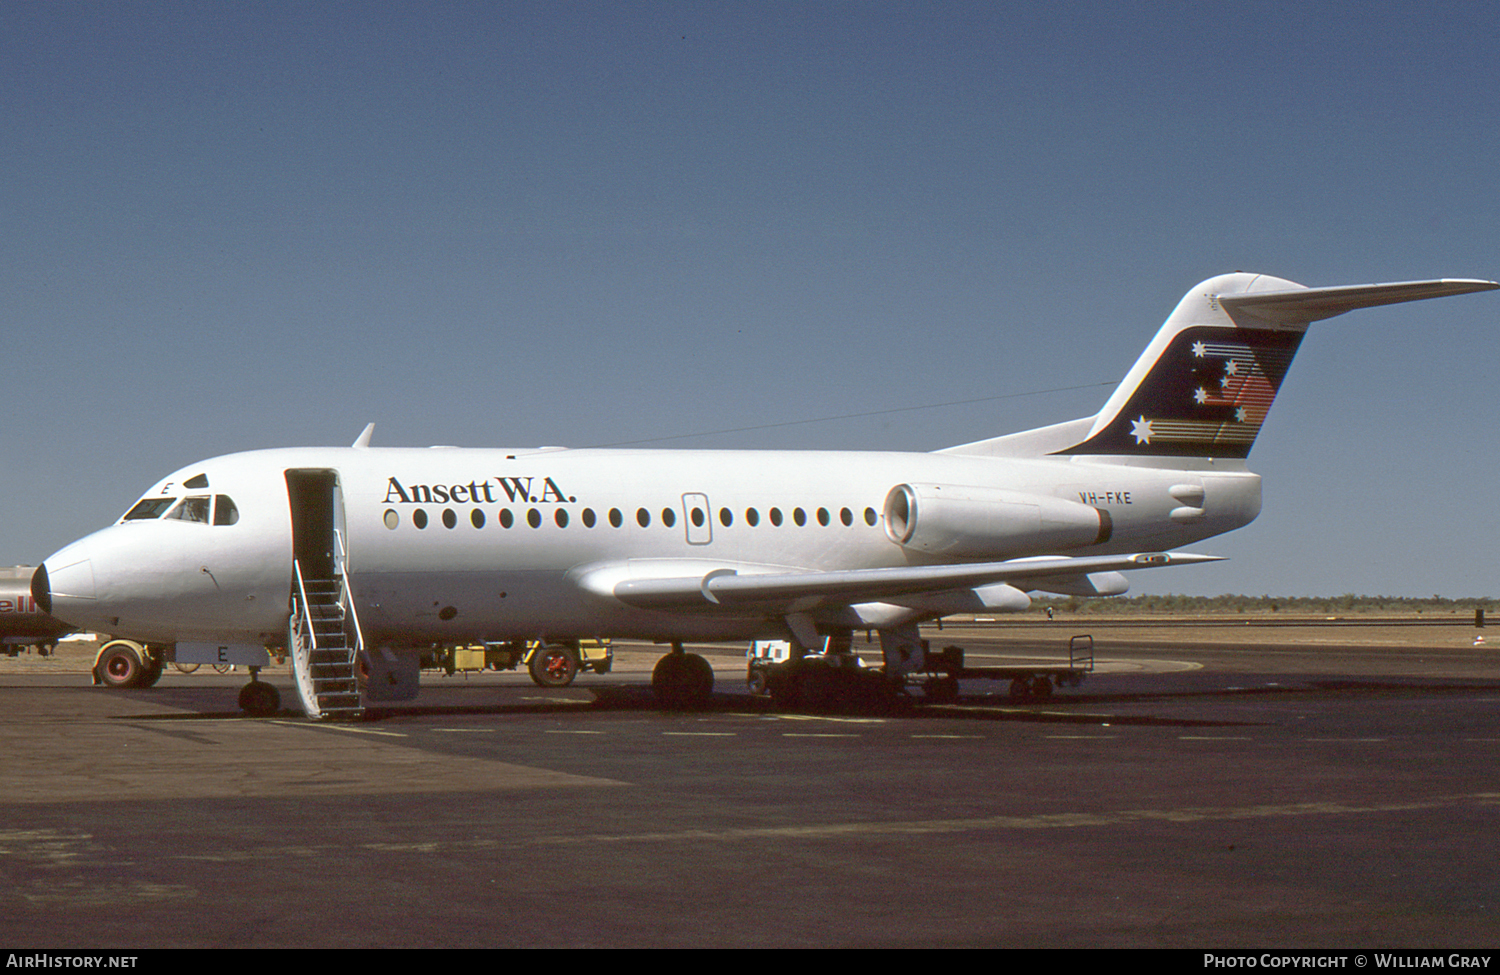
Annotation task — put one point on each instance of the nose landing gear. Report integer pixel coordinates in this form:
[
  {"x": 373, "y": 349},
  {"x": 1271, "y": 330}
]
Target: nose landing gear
[{"x": 258, "y": 698}]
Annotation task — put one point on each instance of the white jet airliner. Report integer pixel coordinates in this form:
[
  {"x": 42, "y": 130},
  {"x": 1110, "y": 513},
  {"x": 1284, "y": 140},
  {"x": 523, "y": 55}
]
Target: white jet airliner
[{"x": 357, "y": 558}]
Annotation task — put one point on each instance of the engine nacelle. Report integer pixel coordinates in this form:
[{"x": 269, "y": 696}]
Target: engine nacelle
[{"x": 979, "y": 522}]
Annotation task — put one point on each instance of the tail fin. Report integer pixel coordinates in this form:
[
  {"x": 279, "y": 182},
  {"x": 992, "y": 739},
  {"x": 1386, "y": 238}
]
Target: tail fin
[{"x": 1204, "y": 385}]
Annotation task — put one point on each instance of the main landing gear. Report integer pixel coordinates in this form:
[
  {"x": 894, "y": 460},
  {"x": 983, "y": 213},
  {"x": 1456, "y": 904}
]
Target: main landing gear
[
  {"x": 682, "y": 681},
  {"x": 830, "y": 683},
  {"x": 833, "y": 680}
]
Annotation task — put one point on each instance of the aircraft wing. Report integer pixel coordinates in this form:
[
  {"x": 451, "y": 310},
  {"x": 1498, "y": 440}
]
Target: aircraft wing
[
  {"x": 1314, "y": 304},
  {"x": 729, "y": 589}
]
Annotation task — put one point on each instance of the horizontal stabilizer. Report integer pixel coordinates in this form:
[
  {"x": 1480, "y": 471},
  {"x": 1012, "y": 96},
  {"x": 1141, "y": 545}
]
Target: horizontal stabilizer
[
  {"x": 1315, "y": 304},
  {"x": 726, "y": 589}
]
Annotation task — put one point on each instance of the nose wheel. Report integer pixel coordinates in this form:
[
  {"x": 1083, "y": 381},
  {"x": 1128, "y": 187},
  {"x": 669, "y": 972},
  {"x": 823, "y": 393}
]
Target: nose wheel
[{"x": 258, "y": 698}]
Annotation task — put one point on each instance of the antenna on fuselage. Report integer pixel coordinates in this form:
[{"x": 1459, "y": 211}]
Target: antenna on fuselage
[{"x": 363, "y": 440}]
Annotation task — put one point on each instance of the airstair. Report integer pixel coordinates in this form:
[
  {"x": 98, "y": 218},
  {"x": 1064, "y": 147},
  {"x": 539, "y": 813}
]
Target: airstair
[{"x": 325, "y": 643}]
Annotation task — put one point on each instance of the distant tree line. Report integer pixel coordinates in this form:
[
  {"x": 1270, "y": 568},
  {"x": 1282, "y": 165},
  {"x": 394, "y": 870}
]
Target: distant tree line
[{"x": 1345, "y": 605}]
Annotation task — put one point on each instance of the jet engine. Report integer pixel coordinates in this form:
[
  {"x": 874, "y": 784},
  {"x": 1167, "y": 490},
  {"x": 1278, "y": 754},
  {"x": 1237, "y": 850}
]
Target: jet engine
[{"x": 979, "y": 522}]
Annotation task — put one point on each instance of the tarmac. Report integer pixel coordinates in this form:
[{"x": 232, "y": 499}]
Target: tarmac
[{"x": 1205, "y": 787}]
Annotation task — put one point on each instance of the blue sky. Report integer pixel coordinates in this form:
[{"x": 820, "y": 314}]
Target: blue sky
[{"x": 241, "y": 225}]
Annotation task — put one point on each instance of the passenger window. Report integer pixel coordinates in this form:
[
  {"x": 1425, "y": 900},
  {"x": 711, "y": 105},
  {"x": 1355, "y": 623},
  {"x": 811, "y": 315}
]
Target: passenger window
[
  {"x": 752, "y": 517},
  {"x": 776, "y": 517},
  {"x": 643, "y": 517},
  {"x": 506, "y": 518},
  {"x": 588, "y": 517},
  {"x": 476, "y": 518},
  {"x": 668, "y": 517},
  {"x": 846, "y": 516},
  {"x": 726, "y": 517},
  {"x": 615, "y": 518},
  {"x": 823, "y": 517},
  {"x": 799, "y": 516},
  {"x": 148, "y": 508},
  {"x": 225, "y": 513},
  {"x": 191, "y": 509}
]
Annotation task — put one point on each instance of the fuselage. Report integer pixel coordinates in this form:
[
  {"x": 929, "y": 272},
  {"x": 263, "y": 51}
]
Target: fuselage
[{"x": 446, "y": 545}]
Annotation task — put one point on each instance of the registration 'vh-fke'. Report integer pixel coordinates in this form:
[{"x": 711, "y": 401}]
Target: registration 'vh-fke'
[{"x": 355, "y": 559}]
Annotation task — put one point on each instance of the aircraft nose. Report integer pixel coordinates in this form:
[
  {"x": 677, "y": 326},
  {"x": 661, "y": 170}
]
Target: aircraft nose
[
  {"x": 64, "y": 586},
  {"x": 41, "y": 592}
]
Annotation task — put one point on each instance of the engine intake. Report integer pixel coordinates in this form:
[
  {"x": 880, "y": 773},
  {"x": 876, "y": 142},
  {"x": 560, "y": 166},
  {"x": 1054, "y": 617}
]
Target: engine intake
[{"x": 979, "y": 522}]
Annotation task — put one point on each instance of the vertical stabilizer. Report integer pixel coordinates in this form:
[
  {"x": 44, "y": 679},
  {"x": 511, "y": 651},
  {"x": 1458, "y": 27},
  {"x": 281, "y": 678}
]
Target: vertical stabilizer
[{"x": 1204, "y": 385}]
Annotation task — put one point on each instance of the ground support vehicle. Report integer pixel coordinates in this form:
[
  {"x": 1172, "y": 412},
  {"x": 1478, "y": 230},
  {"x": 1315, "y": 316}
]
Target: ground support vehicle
[
  {"x": 550, "y": 664},
  {"x": 44, "y": 648},
  {"x": 837, "y": 678},
  {"x": 1027, "y": 683}
]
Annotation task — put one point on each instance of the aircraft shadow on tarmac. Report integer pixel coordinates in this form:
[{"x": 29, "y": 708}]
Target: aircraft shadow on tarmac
[{"x": 1095, "y": 709}]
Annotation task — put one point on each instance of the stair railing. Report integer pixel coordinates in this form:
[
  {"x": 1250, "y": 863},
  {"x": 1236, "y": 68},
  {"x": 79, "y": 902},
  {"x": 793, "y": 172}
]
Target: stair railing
[
  {"x": 305, "y": 613},
  {"x": 346, "y": 597}
]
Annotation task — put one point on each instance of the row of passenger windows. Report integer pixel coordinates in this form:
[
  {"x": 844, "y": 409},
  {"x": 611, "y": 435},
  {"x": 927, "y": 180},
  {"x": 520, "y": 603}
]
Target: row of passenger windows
[{"x": 697, "y": 515}]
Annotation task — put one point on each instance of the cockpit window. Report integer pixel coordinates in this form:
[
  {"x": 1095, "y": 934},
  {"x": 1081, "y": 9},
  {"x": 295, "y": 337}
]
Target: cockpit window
[
  {"x": 197, "y": 482},
  {"x": 225, "y": 513},
  {"x": 191, "y": 509},
  {"x": 148, "y": 508}
]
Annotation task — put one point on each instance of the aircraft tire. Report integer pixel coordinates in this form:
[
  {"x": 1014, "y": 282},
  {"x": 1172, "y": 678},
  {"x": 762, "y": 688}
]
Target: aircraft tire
[
  {"x": 1041, "y": 688},
  {"x": 154, "y": 666},
  {"x": 120, "y": 665},
  {"x": 942, "y": 690},
  {"x": 682, "y": 681},
  {"x": 824, "y": 690},
  {"x": 1020, "y": 689},
  {"x": 259, "y": 698},
  {"x": 784, "y": 684},
  {"x": 554, "y": 665},
  {"x": 842, "y": 690}
]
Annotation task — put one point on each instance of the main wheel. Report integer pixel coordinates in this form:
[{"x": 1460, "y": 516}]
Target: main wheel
[
  {"x": 941, "y": 690},
  {"x": 755, "y": 680},
  {"x": 784, "y": 684},
  {"x": 554, "y": 665},
  {"x": 682, "y": 680}
]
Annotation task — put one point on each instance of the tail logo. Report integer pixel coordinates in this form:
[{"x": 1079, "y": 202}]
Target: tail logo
[{"x": 1207, "y": 395}]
